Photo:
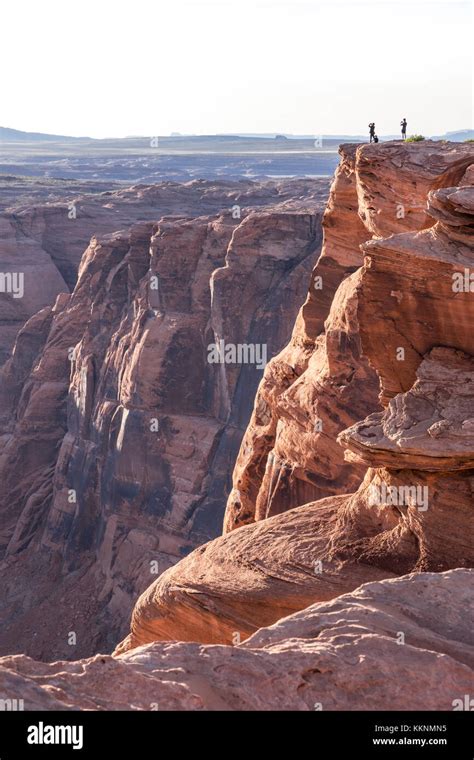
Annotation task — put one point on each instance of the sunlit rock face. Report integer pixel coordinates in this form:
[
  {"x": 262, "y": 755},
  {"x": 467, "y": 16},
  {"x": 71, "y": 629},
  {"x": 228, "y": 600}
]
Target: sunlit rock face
[
  {"x": 327, "y": 378},
  {"x": 412, "y": 508}
]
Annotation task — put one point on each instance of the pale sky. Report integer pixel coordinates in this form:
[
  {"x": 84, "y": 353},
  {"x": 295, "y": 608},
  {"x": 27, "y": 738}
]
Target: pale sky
[{"x": 149, "y": 67}]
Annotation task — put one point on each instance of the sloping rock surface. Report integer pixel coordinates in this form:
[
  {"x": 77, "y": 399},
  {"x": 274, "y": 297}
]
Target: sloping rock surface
[{"x": 401, "y": 644}]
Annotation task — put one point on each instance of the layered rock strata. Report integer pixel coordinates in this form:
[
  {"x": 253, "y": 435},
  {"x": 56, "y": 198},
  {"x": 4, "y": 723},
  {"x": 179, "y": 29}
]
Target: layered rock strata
[
  {"x": 44, "y": 241},
  {"x": 322, "y": 381},
  {"x": 413, "y": 509},
  {"x": 122, "y": 429}
]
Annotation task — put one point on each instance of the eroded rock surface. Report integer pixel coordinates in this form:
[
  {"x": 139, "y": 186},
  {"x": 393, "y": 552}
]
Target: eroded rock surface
[
  {"x": 383, "y": 647},
  {"x": 324, "y": 379},
  {"x": 44, "y": 241},
  {"x": 431, "y": 427}
]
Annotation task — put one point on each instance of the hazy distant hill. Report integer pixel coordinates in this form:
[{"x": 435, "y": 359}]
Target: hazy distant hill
[
  {"x": 237, "y": 140},
  {"x": 459, "y": 136},
  {"x": 17, "y": 135}
]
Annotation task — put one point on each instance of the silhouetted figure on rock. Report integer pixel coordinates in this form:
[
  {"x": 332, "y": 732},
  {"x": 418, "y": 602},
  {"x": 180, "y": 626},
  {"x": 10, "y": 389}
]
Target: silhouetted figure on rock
[
  {"x": 372, "y": 130},
  {"x": 403, "y": 125}
]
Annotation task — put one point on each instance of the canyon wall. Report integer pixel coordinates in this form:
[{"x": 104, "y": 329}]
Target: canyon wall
[
  {"x": 399, "y": 334},
  {"x": 43, "y": 239},
  {"x": 349, "y": 525},
  {"x": 118, "y": 433}
]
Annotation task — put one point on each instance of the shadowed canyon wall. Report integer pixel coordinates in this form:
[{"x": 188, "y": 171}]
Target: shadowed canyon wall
[
  {"x": 118, "y": 435},
  {"x": 44, "y": 241}
]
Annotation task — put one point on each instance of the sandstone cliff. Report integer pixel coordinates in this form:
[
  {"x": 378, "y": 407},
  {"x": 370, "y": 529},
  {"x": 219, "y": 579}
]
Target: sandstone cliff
[
  {"x": 123, "y": 432},
  {"x": 323, "y": 381},
  {"x": 397, "y": 320},
  {"x": 356, "y": 467}
]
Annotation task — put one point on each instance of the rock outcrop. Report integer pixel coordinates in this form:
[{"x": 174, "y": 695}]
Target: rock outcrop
[
  {"x": 122, "y": 429},
  {"x": 322, "y": 381},
  {"x": 383, "y": 647},
  {"x": 413, "y": 508}
]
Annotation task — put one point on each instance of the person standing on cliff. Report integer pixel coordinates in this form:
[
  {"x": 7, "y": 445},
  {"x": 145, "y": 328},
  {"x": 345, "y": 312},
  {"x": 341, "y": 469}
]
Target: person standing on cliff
[
  {"x": 372, "y": 130},
  {"x": 403, "y": 125}
]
